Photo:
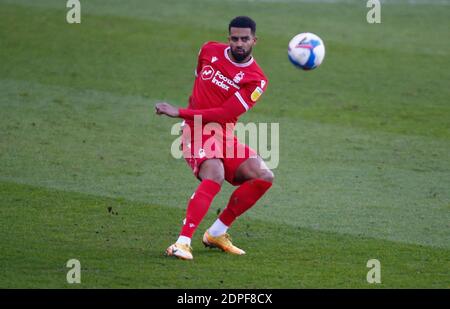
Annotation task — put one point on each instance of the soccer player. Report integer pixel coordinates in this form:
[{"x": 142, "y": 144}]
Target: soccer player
[{"x": 228, "y": 83}]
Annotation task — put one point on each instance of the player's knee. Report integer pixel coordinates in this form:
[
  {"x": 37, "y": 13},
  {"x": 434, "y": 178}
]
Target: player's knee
[
  {"x": 212, "y": 170},
  {"x": 216, "y": 177},
  {"x": 267, "y": 175}
]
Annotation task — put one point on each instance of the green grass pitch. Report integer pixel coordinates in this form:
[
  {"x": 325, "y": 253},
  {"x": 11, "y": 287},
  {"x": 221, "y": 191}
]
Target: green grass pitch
[{"x": 86, "y": 170}]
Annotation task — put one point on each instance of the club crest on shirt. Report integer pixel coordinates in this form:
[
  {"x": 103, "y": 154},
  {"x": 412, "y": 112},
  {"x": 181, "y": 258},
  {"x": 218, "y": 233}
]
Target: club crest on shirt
[{"x": 238, "y": 77}]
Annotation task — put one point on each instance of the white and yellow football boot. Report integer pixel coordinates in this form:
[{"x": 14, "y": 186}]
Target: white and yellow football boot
[
  {"x": 223, "y": 242},
  {"x": 181, "y": 251}
]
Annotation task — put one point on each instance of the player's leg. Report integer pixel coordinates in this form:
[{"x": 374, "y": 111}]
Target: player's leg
[
  {"x": 253, "y": 168},
  {"x": 255, "y": 179},
  {"x": 212, "y": 169},
  {"x": 211, "y": 176}
]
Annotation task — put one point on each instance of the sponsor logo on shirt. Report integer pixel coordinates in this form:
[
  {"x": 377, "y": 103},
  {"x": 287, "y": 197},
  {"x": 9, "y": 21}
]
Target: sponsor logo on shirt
[
  {"x": 223, "y": 82},
  {"x": 220, "y": 80},
  {"x": 207, "y": 72}
]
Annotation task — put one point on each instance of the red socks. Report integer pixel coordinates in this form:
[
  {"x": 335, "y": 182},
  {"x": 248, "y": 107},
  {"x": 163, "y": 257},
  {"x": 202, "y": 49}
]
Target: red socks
[
  {"x": 243, "y": 198},
  {"x": 198, "y": 206}
]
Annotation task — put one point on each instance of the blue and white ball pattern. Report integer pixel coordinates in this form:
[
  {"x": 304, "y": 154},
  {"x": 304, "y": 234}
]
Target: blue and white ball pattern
[{"x": 306, "y": 51}]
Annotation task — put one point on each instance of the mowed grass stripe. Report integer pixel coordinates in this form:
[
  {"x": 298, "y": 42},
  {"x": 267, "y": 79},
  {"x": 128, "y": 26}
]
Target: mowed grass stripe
[
  {"x": 348, "y": 19},
  {"x": 366, "y": 82},
  {"x": 330, "y": 178},
  {"x": 74, "y": 117},
  {"x": 42, "y": 229}
]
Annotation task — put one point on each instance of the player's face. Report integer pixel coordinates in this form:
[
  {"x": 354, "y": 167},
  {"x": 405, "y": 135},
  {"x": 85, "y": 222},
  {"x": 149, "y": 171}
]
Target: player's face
[{"x": 241, "y": 42}]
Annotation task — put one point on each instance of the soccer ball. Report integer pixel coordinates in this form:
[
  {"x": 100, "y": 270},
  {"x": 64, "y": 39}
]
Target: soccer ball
[{"x": 306, "y": 51}]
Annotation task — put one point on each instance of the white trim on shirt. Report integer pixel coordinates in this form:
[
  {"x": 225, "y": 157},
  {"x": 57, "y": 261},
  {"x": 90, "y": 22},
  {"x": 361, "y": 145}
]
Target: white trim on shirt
[{"x": 241, "y": 99}]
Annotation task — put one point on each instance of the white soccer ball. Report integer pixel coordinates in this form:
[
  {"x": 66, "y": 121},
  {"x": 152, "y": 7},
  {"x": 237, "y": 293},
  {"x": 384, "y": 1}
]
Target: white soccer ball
[{"x": 306, "y": 51}]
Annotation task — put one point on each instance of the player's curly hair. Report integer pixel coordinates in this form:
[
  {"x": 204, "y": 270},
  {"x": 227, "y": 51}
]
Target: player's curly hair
[{"x": 243, "y": 22}]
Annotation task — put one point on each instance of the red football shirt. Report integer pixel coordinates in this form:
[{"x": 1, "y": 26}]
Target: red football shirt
[{"x": 223, "y": 89}]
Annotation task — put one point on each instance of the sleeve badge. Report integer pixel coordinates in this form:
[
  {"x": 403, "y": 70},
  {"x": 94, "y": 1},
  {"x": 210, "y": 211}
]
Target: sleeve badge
[{"x": 256, "y": 94}]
